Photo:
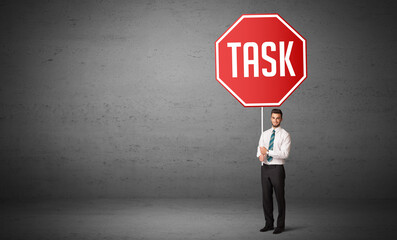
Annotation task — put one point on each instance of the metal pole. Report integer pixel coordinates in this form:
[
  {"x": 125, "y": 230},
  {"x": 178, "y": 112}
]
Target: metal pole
[{"x": 261, "y": 120}]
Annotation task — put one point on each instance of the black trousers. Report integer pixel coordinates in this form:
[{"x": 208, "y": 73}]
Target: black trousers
[{"x": 273, "y": 177}]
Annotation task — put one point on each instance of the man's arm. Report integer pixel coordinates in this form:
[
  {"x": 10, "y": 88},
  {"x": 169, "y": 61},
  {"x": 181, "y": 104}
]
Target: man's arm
[
  {"x": 260, "y": 145},
  {"x": 285, "y": 148}
]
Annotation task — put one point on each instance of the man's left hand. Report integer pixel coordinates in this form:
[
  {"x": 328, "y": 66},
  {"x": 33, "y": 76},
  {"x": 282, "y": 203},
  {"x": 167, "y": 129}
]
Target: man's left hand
[{"x": 264, "y": 151}]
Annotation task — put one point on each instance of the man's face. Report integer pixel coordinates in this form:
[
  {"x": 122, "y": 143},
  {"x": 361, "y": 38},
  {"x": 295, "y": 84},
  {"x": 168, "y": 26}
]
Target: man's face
[{"x": 276, "y": 119}]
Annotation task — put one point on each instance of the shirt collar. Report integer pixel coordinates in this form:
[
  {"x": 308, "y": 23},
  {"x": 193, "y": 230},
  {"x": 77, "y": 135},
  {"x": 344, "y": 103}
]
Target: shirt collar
[{"x": 277, "y": 129}]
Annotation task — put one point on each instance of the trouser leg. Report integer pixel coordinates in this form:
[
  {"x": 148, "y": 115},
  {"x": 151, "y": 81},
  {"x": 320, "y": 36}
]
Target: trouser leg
[
  {"x": 278, "y": 181},
  {"x": 267, "y": 197}
]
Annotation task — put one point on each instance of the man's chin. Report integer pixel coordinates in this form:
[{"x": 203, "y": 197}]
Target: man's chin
[{"x": 276, "y": 126}]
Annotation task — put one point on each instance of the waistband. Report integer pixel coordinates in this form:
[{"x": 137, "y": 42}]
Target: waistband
[{"x": 272, "y": 166}]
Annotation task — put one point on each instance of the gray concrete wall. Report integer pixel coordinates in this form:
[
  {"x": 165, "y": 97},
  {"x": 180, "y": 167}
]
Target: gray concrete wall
[{"x": 119, "y": 99}]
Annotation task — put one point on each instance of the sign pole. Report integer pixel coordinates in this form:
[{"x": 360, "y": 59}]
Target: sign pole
[{"x": 261, "y": 120}]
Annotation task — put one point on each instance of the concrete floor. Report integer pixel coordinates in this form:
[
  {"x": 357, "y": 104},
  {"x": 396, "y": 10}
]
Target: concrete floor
[{"x": 194, "y": 219}]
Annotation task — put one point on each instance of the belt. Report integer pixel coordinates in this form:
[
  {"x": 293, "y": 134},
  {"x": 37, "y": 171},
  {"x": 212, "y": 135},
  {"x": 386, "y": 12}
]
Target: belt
[{"x": 272, "y": 166}]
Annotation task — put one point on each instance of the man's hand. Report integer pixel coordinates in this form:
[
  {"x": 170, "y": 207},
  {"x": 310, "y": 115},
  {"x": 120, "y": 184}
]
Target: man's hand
[
  {"x": 261, "y": 158},
  {"x": 263, "y": 151}
]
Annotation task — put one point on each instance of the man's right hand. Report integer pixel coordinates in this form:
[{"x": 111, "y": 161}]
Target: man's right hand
[
  {"x": 261, "y": 158},
  {"x": 263, "y": 150}
]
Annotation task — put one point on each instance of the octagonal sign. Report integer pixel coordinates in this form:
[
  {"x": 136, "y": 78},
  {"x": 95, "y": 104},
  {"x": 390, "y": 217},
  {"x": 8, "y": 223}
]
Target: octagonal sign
[{"x": 260, "y": 60}]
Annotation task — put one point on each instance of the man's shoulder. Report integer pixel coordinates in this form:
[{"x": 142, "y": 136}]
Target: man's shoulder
[
  {"x": 283, "y": 131},
  {"x": 268, "y": 130}
]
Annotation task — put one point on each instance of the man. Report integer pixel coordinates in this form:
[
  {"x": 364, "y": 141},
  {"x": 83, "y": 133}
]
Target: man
[{"x": 273, "y": 149}]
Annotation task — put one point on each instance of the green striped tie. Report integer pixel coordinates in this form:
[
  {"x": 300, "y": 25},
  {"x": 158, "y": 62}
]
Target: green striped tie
[{"x": 269, "y": 159}]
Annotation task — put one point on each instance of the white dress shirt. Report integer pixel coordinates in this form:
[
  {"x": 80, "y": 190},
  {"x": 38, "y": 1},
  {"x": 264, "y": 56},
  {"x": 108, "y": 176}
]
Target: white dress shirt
[{"x": 281, "y": 146}]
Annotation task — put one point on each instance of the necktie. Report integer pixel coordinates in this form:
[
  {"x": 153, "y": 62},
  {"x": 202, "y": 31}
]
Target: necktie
[{"x": 269, "y": 159}]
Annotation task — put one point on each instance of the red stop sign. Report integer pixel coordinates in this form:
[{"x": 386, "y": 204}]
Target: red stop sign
[{"x": 260, "y": 60}]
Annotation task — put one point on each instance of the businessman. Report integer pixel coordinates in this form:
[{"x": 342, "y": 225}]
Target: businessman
[{"x": 273, "y": 149}]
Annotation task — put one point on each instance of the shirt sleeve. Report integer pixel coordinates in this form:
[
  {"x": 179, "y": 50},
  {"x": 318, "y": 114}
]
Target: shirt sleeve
[
  {"x": 260, "y": 144},
  {"x": 285, "y": 148}
]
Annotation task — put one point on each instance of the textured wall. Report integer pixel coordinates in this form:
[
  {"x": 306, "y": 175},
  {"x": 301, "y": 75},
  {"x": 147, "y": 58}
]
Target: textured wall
[{"x": 119, "y": 99}]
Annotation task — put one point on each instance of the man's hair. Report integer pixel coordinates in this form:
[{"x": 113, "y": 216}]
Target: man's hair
[{"x": 277, "y": 111}]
